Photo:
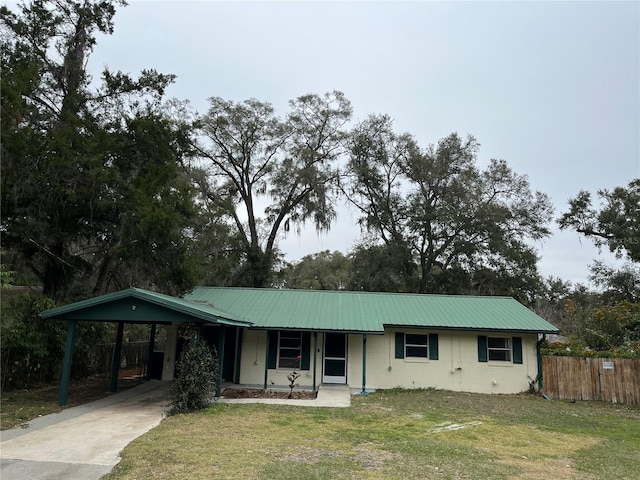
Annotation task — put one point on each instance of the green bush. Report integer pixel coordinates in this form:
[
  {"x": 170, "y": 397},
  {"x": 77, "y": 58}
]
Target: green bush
[
  {"x": 197, "y": 377},
  {"x": 574, "y": 348}
]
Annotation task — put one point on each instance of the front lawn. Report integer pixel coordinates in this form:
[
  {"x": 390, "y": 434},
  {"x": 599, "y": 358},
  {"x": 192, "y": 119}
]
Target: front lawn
[{"x": 394, "y": 435}]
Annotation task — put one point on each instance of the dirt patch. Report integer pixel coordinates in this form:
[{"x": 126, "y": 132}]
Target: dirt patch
[
  {"x": 373, "y": 459},
  {"x": 260, "y": 393},
  {"x": 303, "y": 454},
  {"x": 369, "y": 459},
  {"x": 20, "y": 406}
]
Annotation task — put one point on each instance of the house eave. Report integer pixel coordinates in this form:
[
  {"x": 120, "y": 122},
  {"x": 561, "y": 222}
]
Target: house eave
[
  {"x": 470, "y": 329},
  {"x": 318, "y": 330}
]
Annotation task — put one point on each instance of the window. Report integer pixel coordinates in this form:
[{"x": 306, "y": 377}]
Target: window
[
  {"x": 416, "y": 345},
  {"x": 290, "y": 350},
  {"x": 499, "y": 349}
]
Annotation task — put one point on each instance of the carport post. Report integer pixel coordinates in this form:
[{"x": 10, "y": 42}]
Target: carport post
[
  {"x": 115, "y": 364},
  {"x": 315, "y": 358},
  {"x": 220, "y": 360},
  {"x": 66, "y": 365},
  {"x": 152, "y": 346}
]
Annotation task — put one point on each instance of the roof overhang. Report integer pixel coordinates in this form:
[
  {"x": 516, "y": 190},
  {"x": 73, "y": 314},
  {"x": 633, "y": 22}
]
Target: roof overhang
[
  {"x": 142, "y": 306},
  {"x": 472, "y": 329},
  {"x": 320, "y": 330}
]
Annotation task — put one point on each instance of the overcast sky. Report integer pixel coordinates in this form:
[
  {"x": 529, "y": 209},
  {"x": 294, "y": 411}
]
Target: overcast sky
[{"x": 551, "y": 87}]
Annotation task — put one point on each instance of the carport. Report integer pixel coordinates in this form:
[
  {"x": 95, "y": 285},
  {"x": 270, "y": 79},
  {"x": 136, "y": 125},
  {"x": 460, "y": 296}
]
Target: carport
[{"x": 139, "y": 307}]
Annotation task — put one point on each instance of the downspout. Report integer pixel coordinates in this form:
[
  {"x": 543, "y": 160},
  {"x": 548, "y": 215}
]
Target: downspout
[
  {"x": 364, "y": 363},
  {"x": 539, "y": 356}
]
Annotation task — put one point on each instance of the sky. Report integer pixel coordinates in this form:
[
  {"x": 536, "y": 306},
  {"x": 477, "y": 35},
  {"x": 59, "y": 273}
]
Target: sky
[{"x": 551, "y": 87}]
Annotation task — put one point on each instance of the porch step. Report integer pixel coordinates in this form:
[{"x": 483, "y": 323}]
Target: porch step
[
  {"x": 332, "y": 395},
  {"x": 334, "y": 386}
]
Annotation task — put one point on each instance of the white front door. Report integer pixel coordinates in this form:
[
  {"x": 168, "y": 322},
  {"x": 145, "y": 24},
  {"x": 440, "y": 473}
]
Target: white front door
[{"x": 334, "y": 365}]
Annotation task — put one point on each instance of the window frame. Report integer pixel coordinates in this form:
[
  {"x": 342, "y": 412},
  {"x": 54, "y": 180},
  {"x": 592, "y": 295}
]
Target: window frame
[
  {"x": 296, "y": 361},
  {"x": 425, "y": 346},
  {"x": 432, "y": 346},
  {"x": 508, "y": 350}
]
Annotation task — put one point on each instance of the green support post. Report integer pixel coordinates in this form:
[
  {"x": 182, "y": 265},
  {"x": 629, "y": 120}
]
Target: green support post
[
  {"x": 315, "y": 358},
  {"x": 152, "y": 345},
  {"x": 66, "y": 365},
  {"x": 364, "y": 362},
  {"x": 220, "y": 360},
  {"x": 115, "y": 363},
  {"x": 266, "y": 360}
]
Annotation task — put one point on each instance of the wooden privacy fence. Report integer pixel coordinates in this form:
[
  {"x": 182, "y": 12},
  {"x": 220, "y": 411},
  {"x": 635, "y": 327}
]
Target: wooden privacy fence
[{"x": 614, "y": 380}]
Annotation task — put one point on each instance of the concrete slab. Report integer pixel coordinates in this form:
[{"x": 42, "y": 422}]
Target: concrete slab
[
  {"x": 27, "y": 470},
  {"x": 82, "y": 442},
  {"x": 328, "y": 396}
]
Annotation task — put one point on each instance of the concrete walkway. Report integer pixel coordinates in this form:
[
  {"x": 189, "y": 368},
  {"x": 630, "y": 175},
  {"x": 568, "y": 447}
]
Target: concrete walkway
[
  {"x": 328, "y": 396},
  {"x": 82, "y": 442}
]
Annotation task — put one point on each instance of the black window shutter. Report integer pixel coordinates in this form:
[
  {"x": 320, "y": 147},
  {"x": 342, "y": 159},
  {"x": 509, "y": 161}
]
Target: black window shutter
[
  {"x": 433, "y": 346},
  {"x": 399, "y": 345},
  {"x": 517, "y": 349},
  {"x": 306, "y": 347},
  {"x": 482, "y": 348},
  {"x": 236, "y": 375},
  {"x": 272, "y": 346}
]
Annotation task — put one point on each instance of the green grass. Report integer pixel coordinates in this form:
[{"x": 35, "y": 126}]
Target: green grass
[{"x": 390, "y": 435}]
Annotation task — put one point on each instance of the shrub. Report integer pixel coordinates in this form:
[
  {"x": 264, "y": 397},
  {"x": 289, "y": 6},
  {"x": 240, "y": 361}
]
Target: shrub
[
  {"x": 574, "y": 348},
  {"x": 197, "y": 377}
]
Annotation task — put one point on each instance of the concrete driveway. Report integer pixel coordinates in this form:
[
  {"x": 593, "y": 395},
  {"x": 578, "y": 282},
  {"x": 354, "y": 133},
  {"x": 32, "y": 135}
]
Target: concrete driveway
[{"x": 82, "y": 442}]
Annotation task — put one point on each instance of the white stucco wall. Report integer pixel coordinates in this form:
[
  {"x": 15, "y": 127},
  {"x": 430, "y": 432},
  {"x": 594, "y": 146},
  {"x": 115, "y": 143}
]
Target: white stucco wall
[
  {"x": 253, "y": 360},
  {"x": 457, "y": 367}
]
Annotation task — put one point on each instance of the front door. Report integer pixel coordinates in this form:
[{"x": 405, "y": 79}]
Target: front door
[{"x": 335, "y": 358}]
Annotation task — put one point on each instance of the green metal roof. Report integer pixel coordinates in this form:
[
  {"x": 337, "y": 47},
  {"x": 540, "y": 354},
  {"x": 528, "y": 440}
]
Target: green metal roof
[
  {"x": 366, "y": 312},
  {"x": 142, "y": 306},
  {"x": 311, "y": 310}
]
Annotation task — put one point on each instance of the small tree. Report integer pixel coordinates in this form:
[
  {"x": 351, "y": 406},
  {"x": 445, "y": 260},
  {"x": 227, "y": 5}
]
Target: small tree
[{"x": 197, "y": 377}]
